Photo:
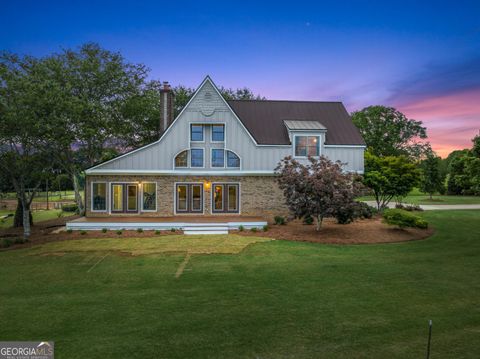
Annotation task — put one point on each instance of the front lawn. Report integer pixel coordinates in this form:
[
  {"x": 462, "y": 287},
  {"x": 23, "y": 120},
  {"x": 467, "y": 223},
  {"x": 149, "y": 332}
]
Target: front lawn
[
  {"x": 270, "y": 299},
  {"x": 437, "y": 199}
]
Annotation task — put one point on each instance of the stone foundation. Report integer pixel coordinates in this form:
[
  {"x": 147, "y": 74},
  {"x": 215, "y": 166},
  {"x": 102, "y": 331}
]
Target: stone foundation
[{"x": 259, "y": 195}]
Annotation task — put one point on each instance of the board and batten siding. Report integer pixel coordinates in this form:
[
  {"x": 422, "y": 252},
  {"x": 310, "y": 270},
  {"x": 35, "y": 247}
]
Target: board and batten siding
[{"x": 209, "y": 108}]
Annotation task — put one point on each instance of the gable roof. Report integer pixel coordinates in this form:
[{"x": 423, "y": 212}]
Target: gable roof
[{"x": 265, "y": 120}]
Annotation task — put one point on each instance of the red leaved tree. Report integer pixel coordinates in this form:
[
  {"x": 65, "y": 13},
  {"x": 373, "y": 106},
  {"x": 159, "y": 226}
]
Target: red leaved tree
[{"x": 318, "y": 189}]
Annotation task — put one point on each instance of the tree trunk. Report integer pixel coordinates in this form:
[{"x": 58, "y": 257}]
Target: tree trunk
[
  {"x": 26, "y": 219},
  {"x": 78, "y": 196},
  {"x": 319, "y": 222},
  {"x": 431, "y": 196},
  {"x": 18, "y": 219}
]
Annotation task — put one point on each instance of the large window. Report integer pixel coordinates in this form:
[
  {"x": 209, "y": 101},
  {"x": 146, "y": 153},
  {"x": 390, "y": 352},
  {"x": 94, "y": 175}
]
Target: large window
[
  {"x": 99, "y": 196},
  {"x": 232, "y": 160},
  {"x": 124, "y": 197},
  {"x": 189, "y": 198},
  {"x": 149, "y": 196},
  {"x": 196, "y": 133},
  {"x": 218, "y": 157},
  {"x": 117, "y": 198},
  {"x": 307, "y": 146},
  {"x": 182, "y": 159},
  {"x": 196, "y": 157},
  {"x": 218, "y": 133}
]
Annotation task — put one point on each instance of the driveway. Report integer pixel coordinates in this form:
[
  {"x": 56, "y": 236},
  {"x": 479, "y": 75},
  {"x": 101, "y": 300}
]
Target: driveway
[{"x": 433, "y": 207}]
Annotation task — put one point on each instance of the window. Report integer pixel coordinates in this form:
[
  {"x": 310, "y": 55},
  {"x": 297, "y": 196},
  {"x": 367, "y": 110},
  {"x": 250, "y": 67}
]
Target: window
[
  {"x": 99, "y": 196},
  {"x": 189, "y": 198},
  {"x": 218, "y": 198},
  {"x": 182, "y": 159},
  {"x": 132, "y": 198},
  {"x": 196, "y": 155},
  {"x": 307, "y": 146},
  {"x": 218, "y": 133},
  {"x": 232, "y": 198},
  {"x": 182, "y": 198},
  {"x": 149, "y": 197},
  {"x": 232, "y": 160},
  {"x": 196, "y": 133},
  {"x": 218, "y": 157},
  {"x": 196, "y": 197}
]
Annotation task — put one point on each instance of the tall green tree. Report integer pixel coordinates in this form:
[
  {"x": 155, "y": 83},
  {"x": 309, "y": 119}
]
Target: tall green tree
[
  {"x": 25, "y": 103},
  {"x": 388, "y": 132},
  {"x": 431, "y": 180},
  {"x": 464, "y": 170},
  {"x": 389, "y": 177}
]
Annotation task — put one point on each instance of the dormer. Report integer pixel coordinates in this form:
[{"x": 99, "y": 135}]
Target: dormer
[{"x": 307, "y": 137}]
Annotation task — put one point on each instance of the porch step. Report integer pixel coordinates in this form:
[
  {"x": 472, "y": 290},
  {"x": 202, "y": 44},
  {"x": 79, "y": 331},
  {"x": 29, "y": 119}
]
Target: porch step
[{"x": 205, "y": 230}]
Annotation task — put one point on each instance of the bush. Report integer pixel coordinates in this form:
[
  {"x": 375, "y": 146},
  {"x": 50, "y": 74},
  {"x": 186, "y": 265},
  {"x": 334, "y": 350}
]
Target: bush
[
  {"x": 265, "y": 228},
  {"x": 279, "y": 220},
  {"x": 6, "y": 243},
  {"x": 83, "y": 233},
  {"x": 402, "y": 219},
  {"x": 364, "y": 211},
  {"x": 119, "y": 232},
  {"x": 409, "y": 207},
  {"x": 157, "y": 232},
  {"x": 241, "y": 228},
  {"x": 348, "y": 214},
  {"x": 254, "y": 229},
  {"x": 104, "y": 230},
  {"x": 308, "y": 220},
  {"x": 139, "y": 230},
  {"x": 19, "y": 240},
  {"x": 70, "y": 208},
  {"x": 69, "y": 230},
  {"x": 172, "y": 229}
]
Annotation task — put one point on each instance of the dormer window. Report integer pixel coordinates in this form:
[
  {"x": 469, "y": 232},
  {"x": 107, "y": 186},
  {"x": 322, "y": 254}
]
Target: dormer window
[
  {"x": 218, "y": 133},
  {"x": 307, "y": 146},
  {"x": 233, "y": 161},
  {"x": 196, "y": 133}
]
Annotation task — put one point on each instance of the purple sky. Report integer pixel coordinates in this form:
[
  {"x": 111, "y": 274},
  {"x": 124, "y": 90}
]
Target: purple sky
[{"x": 421, "y": 57}]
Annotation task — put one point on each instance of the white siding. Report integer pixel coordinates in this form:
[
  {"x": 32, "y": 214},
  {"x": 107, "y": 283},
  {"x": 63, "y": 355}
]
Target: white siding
[{"x": 208, "y": 107}]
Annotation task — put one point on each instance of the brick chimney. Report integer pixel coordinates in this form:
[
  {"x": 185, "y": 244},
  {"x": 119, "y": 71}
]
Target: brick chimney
[{"x": 167, "y": 99}]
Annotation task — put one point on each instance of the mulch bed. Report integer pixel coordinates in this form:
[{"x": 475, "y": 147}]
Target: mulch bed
[
  {"x": 367, "y": 231},
  {"x": 360, "y": 232}
]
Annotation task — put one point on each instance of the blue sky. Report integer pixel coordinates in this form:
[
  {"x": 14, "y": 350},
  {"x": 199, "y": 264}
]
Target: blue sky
[{"x": 422, "y": 57}]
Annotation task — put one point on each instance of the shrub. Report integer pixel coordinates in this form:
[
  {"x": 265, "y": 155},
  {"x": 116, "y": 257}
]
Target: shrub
[
  {"x": 104, "y": 230},
  {"x": 19, "y": 240},
  {"x": 83, "y": 232},
  {"x": 279, "y": 220},
  {"x": 348, "y": 214},
  {"x": 157, "y": 232},
  {"x": 241, "y": 228},
  {"x": 139, "y": 230},
  {"x": 265, "y": 228},
  {"x": 364, "y": 211},
  {"x": 409, "y": 207},
  {"x": 402, "y": 219},
  {"x": 69, "y": 230},
  {"x": 119, "y": 232},
  {"x": 254, "y": 229},
  {"x": 6, "y": 243},
  {"x": 70, "y": 207},
  {"x": 172, "y": 229},
  {"x": 308, "y": 220}
]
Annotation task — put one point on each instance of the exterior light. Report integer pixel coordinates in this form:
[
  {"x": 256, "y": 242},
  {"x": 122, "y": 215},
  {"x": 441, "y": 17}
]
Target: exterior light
[{"x": 207, "y": 185}]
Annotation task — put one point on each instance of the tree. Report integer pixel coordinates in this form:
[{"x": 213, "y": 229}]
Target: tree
[
  {"x": 22, "y": 157},
  {"x": 318, "y": 189},
  {"x": 464, "y": 170},
  {"x": 431, "y": 180},
  {"x": 389, "y": 132},
  {"x": 389, "y": 177}
]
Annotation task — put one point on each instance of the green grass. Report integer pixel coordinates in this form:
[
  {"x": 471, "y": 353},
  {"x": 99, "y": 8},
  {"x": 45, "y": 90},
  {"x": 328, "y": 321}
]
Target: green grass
[
  {"x": 42, "y": 196},
  {"x": 417, "y": 197},
  {"x": 274, "y": 299},
  {"x": 38, "y": 216}
]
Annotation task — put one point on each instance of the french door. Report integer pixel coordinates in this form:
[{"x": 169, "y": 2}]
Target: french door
[
  {"x": 124, "y": 198},
  {"x": 189, "y": 198},
  {"x": 225, "y": 198}
]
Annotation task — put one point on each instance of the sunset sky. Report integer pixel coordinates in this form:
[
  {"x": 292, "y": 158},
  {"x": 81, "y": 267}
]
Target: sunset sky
[{"x": 421, "y": 57}]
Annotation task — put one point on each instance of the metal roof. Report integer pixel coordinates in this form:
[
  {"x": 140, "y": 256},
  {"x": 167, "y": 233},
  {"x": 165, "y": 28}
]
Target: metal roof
[{"x": 304, "y": 125}]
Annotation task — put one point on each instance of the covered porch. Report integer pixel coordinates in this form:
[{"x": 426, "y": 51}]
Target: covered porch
[{"x": 189, "y": 224}]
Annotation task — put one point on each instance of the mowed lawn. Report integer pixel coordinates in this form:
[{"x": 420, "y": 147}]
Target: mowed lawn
[
  {"x": 249, "y": 299},
  {"x": 38, "y": 216}
]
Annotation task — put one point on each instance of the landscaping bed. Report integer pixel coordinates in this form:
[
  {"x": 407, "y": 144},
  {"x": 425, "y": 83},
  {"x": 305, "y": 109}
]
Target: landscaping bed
[{"x": 365, "y": 231}]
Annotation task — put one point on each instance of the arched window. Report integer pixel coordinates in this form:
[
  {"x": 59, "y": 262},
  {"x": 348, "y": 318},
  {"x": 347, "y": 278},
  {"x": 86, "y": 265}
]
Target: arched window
[
  {"x": 181, "y": 160},
  {"x": 233, "y": 161}
]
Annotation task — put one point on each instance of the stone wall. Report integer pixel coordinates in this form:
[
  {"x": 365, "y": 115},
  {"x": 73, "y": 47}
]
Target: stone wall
[{"x": 259, "y": 195}]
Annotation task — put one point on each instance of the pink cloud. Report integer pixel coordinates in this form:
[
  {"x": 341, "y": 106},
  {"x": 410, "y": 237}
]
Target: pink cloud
[{"x": 451, "y": 120}]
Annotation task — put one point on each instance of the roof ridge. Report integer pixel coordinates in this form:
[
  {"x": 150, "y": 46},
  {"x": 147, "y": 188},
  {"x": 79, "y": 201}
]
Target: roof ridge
[{"x": 308, "y": 101}]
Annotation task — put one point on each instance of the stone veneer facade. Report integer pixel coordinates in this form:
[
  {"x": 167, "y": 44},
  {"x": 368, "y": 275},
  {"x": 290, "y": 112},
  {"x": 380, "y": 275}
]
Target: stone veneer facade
[{"x": 259, "y": 195}]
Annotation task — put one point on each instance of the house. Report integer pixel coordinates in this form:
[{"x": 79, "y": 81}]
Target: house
[{"x": 218, "y": 157}]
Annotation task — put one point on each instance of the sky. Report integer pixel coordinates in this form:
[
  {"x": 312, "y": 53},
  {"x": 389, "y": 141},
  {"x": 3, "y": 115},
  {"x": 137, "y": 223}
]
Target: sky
[{"x": 421, "y": 57}]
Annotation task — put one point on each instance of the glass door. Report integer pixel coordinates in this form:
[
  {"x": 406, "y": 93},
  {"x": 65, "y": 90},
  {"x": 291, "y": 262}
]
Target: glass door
[
  {"x": 124, "y": 198},
  {"x": 225, "y": 198},
  {"x": 189, "y": 198},
  {"x": 117, "y": 198},
  {"x": 132, "y": 198}
]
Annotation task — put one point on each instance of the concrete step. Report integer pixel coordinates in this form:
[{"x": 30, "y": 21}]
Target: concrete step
[{"x": 205, "y": 230}]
